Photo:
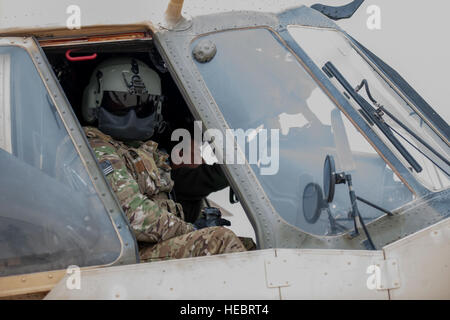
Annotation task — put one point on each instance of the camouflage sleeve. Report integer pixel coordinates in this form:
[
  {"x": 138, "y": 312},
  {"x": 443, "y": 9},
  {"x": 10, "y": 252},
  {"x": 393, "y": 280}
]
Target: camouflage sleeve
[{"x": 149, "y": 222}]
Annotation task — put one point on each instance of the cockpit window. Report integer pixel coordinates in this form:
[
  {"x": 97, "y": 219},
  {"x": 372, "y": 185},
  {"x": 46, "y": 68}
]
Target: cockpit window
[
  {"x": 325, "y": 45},
  {"x": 51, "y": 216},
  {"x": 258, "y": 84}
]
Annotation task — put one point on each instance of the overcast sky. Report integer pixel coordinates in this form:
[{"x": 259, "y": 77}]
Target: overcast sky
[{"x": 414, "y": 39}]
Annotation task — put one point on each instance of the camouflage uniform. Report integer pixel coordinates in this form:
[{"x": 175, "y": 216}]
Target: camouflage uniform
[{"x": 141, "y": 180}]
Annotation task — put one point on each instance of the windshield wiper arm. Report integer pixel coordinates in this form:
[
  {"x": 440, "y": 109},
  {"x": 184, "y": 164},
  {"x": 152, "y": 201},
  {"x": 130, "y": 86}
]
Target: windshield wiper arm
[
  {"x": 381, "y": 111},
  {"x": 371, "y": 112}
]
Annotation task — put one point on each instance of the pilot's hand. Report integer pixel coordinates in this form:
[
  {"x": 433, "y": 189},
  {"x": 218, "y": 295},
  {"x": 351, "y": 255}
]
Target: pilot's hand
[{"x": 211, "y": 217}]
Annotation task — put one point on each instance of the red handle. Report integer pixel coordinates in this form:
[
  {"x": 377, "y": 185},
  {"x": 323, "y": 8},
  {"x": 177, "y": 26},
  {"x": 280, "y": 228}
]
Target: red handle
[{"x": 82, "y": 58}]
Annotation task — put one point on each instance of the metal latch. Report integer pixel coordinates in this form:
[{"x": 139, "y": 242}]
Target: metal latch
[
  {"x": 276, "y": 275},
  {"x": 384, "y": 275}
]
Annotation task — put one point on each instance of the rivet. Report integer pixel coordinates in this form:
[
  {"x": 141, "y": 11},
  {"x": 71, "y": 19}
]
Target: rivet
[
  {"x": 50, "y": 276},
  {"x": 23, "y": 279}
]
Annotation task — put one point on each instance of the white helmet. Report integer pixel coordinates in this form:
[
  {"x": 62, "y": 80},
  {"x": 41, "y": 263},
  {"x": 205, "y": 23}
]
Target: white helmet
[{"x": 124, "y": 95}]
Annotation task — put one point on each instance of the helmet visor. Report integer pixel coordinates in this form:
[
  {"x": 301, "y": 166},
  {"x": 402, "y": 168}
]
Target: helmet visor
[{"x": 120, "y": 103}]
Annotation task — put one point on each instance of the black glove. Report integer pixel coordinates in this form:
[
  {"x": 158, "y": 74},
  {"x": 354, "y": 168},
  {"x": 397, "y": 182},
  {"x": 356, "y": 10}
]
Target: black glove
[{"x": 211, "y": 217}]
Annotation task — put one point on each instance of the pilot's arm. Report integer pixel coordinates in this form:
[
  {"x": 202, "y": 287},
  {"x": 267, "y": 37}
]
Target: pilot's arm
[{"x": 149, "y": 222}]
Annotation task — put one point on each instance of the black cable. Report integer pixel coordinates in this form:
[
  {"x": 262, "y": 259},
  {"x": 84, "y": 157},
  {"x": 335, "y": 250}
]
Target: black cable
[
  {"x": 390, "y": 115},
  {"x": 374, "y": 206},
  {"x": 356, "y": 213},
  {"x": 424, "y": 143},
  {"x": 369, "y": 239},
  {"x": 420, "y": 151},
  {"x": 366, "y": 85}
]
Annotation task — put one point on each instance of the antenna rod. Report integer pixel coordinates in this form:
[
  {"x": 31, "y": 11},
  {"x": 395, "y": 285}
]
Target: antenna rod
[{"x": 173, "y": 12}]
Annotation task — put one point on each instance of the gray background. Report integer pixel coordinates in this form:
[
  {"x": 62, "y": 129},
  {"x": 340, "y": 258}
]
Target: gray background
[{"x": 414, "y": 39}]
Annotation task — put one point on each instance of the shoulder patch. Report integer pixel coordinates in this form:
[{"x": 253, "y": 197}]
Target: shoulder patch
[{"x": 106, "y": 167}]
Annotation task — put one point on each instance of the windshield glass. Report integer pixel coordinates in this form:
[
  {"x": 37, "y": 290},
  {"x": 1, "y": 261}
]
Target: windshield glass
[
  {"x": 324, "y": 45},
  {"x": 258, "y": 84},
  {"x": 51, "y": 216}
]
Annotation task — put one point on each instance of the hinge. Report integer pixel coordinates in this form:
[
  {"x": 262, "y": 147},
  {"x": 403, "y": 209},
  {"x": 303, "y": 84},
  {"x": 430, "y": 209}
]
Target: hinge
[
  {"x": 385, "y": 275},
  {"x": 276, "y": 275}
]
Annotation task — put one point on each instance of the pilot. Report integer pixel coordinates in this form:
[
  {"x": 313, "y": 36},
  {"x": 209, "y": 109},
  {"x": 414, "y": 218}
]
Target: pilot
[{"x": 124, "y": 98}]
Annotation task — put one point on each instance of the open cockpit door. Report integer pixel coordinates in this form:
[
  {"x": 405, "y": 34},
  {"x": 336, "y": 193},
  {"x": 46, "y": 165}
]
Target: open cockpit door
[{"x": 56, "y": 208}]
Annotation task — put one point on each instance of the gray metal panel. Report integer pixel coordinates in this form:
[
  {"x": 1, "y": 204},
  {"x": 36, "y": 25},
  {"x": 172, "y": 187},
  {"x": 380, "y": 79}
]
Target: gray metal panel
[
  {"x": 265, "y": 275},
  {"x": 231, "y": 276},
  {"x": 328, "y": 274},
  {"x": 423, "y": 262}
]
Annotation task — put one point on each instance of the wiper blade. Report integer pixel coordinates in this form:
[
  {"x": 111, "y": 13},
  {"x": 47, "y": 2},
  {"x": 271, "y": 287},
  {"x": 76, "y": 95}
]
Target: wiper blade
[{"x": 372, "y": 114}]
